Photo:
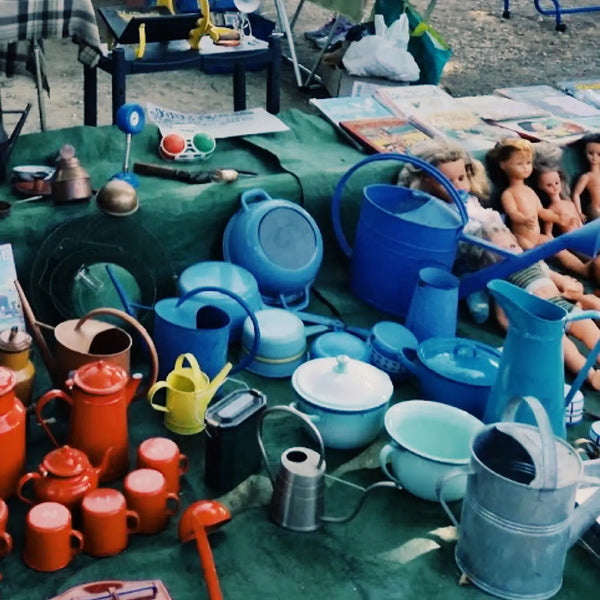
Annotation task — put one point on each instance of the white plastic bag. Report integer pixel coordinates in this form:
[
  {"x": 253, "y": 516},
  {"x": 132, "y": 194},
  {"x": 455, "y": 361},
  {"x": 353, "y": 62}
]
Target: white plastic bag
[{"x": 384, "y": 54}]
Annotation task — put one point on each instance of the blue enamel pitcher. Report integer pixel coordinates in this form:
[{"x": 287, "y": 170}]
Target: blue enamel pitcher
[{"x": 532, "y": 361}]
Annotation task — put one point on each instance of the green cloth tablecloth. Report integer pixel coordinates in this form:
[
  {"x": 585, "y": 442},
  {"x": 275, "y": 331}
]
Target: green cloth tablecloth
[{"x": 398, "y": 547}]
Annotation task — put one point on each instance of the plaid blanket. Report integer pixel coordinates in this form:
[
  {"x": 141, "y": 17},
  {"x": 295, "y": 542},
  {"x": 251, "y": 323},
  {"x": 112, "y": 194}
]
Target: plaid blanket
[{"x": 22, "y": 21}]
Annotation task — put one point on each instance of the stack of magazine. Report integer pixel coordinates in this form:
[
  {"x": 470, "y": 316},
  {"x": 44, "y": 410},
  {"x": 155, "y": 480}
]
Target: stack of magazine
[{"x": 394, "y": 119}]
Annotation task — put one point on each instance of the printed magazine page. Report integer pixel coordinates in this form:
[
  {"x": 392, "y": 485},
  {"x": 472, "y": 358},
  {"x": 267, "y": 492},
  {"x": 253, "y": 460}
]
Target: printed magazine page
[
  {"x": 219, "y": 125},
  {"x": 11, "y": 313}
]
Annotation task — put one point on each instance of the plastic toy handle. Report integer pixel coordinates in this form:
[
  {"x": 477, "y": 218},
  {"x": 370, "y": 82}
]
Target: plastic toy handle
[
  {"x": 253, "y": 196},
  {"x": 409, "y": 359},
  {"x": 159, "y": 385},
  {"x": 184, "y": 464},
  {"x": 413, "y": 160},
  {"x": 6, "y": 544},
  {"x": 252, "y": 354},
  {"x": 193, "y": 363},
  {"x": 47, "y": 397}
]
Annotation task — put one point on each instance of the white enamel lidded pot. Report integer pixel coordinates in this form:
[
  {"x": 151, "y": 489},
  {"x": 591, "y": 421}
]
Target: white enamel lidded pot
[{"x": 346, "y": 399}]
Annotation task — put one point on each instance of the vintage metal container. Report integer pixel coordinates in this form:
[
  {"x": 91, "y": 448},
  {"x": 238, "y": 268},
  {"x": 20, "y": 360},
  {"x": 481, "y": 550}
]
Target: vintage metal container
[
  {"x": 15, "y": 349},
  {"x": 12, "y": 434}
]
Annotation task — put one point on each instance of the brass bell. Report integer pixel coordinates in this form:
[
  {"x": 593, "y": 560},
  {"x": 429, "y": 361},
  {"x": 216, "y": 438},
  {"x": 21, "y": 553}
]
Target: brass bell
[{"x": 71, "y": 182}]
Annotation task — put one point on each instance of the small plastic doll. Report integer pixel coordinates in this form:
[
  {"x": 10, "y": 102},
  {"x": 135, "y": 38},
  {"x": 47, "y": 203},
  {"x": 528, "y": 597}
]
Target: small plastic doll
[
  {"x": 589, "y": 182},
  {"x": 510, "y": 164},
  {"x": 565, "y": 291},
  {"x": 464, "y": 172}
]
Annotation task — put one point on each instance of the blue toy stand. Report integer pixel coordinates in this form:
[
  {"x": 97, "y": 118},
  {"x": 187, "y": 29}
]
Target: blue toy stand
[{"x": 557, "y": 11}]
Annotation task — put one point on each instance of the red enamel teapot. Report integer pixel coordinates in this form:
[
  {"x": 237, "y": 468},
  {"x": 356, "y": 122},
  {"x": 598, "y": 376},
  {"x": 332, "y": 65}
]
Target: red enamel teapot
[
  {"x": 100, "y": 393},
  {"x": 64, "y": 476}
]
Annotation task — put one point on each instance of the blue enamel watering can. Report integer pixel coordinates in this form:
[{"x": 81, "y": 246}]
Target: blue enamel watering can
[
  {"x": 399, "y": 232},
  {"x": 182, "y": 325},
  {"x": 532, "y": 362}
]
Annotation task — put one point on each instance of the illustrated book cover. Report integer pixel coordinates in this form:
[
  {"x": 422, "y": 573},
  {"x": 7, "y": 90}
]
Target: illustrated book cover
[
  {"x": 404, "y": 100},
  {"x": 557, "y": 102},
  {"x": 548, "y": 129},
  {"x": 586, "y": 90},
  {"x": 498, "y": 108},
  {"x": 350, "y": 108},
  {"x": 388, "y": 134},
  {"x": 11, "y": 312}
]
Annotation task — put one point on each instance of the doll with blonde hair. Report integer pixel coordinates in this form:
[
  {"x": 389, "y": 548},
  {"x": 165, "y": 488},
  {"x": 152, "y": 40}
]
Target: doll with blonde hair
[{"x": 510, "y": 164}]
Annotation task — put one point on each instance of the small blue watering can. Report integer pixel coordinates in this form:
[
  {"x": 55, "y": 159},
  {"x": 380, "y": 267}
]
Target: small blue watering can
[
  {"x": 399, "y": 232},
  {"x": 181, "y": 325}
]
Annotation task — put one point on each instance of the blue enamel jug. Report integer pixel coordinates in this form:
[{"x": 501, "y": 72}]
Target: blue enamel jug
[{"x": 532, "y": 361}]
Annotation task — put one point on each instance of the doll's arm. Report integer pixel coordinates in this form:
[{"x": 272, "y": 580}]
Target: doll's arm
[
  {"x": 568, "y": 286},
  {"x": 511, "y": 208},
  {"x": 579, "y": 188},
  {"x": 548, "y": 216}
]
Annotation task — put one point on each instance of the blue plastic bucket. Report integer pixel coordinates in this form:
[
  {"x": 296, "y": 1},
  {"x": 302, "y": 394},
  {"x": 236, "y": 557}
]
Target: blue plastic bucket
[{"x": 399, "y": 232}]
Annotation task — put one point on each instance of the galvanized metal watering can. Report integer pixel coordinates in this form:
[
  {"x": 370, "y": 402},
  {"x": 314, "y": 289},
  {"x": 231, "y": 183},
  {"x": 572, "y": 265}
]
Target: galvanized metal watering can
[
  {"x": 518, "y": 516},
  {"x": 298, "y": 500}
]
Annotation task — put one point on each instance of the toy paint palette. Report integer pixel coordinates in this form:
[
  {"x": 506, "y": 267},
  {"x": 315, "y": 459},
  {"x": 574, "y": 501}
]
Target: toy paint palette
[{"x": 175, "y": 146}]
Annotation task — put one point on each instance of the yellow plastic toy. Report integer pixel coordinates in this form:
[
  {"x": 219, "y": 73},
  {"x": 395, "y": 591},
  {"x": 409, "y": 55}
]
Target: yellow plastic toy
[{"x": 219, "y": 35}]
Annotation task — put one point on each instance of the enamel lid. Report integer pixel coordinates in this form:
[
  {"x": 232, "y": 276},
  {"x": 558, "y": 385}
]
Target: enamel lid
[
  {"x": 66, "y": 462},
  {"x": 100, "y": 377},
  {"x": 342, "y": 383}
]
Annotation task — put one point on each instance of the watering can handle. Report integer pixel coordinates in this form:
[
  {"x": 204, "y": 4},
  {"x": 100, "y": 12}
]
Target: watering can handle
[
  {"x": 250, "y": 356},
  {"x": 549, "y": 458},
  {"x": 413, "y": 160},
  {"x": 192, "y": 362},
  {"x": 140, "y": 329},
  {"x": 440, "y": 486},
  {"x": 308, "y": 425},
  {"x": 252, "y": 196}
]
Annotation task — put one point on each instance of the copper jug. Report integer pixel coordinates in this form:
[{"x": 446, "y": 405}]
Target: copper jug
[
  {"x": 71, "y": 182},
  {"x": 12, "y": 434},
  {"x": 15, "y": 347},
  {"x": 100, "y": 395}
]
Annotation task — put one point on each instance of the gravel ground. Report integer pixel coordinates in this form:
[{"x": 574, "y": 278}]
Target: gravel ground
[{"x": 488, "y": 52}]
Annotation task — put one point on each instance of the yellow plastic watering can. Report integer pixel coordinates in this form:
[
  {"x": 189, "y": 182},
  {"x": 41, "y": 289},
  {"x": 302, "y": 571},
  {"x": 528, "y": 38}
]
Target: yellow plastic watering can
[{"x": 188, "y": 393}]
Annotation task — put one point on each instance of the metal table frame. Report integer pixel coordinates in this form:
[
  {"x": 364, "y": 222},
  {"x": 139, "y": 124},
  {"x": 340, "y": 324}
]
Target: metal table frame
[{"x": 557, "y": 11}]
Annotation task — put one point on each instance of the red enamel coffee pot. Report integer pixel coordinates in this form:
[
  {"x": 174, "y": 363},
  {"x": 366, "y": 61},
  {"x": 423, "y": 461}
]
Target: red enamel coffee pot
[
  {"x": 64, "y": 476},
  {"x": 100, "y": 395},
  {"x": 12, "y": 434}
]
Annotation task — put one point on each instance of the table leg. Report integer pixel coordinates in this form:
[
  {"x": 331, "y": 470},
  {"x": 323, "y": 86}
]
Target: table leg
[
  {"x": 274, "y": 74},
  {"x": 90, "y": 96},
  {"x": 119, "y": 77},
  {"x": 239, "y": 85}
]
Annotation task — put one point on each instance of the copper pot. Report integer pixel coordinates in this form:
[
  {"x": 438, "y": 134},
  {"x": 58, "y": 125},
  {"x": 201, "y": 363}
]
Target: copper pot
[{"x": 71, "y": 182}]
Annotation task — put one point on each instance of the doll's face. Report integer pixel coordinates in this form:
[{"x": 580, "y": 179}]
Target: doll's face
[
  {"x": 592, "y": 152},
  {"x": 518, "y": 166},
  {"x": 456, "y": 172},
  {"x": 505, "y": 239},
  {"x": 550, "y": 183}
]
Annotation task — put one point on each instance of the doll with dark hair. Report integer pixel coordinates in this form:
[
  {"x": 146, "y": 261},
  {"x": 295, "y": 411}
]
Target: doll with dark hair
[{"x": 590, "y": 181}]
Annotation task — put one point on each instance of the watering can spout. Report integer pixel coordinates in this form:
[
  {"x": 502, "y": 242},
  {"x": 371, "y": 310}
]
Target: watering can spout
[{"x": 587, "y": 512}]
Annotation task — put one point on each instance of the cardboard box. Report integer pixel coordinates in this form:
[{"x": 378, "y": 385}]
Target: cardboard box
[{"x": 339, "y": 82}]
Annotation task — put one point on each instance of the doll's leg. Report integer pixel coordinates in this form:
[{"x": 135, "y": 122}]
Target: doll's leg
[
  {"x": 586, "y": 331},
  {"x": 589, "y": 302},
  {"x": 572, "y": 263},
  {"x": 575, "y": 361}
]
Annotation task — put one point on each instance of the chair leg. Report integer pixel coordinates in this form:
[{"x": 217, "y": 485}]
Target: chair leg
[{"x": 39, "y": 84}]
